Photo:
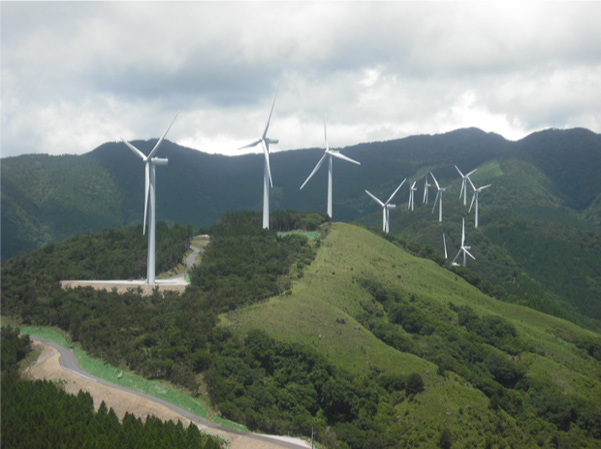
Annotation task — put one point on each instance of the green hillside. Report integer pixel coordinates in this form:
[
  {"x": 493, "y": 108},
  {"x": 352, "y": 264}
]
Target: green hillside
[
  {"x": 331, "y": 310},
  {"x": 351, "y": 334}
]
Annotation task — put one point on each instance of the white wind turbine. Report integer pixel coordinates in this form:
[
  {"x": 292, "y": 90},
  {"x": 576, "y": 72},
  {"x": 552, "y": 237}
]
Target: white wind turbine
[
  {"x": 462, "y": 249},
  {"x": 426, "y": 186},
  {"x": 438, "y": 197},
  {"x": 475, "y": 198},
  {"x": 150, "y": 163},
  {"x": 412, "y": 191},
  {"x": 386, "y": 207},
  {"x": 464, "y": 179},
  {"x": 329, "y": 153},
  {"x": 267, "y": 182}
]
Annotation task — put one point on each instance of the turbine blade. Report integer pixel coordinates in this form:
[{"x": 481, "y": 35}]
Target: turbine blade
[
  {"x": 134, "y": 149},
  {"x": 473, "y": 186},
  {"x": 472, "y": 203},
  {"x": 462, "y": 188},
  {"x": 462, "y": 231},
  {"x": 156, "y": 147},
  {"x": 250, "y": 145},
  {"x": 146, "y": 193},
  {"x": 342, "y": 156},
  {"x": 317, "y": 167},
  {"x": 459, "y": 172},
  {"x": 271, "y": 112},
  {"x": 468, "y": 253},
  {"x": 446, "y": 256},
  {"x": 325, "y": 134},
  {"x": 397, "y": 189},
  {"x": 435, "y": 200},
  {"x": 471, "y": 173},
  {"x": 456, "y": 256},
  {"x": 377, "y": 200},
  {"x": 435, "y": 181},
  {"x": 266, "y": 152},
  {"x": 484, "y": 187}
]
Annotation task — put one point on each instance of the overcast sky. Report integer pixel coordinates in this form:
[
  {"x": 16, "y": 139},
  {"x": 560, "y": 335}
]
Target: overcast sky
[{"x": 78, "y": 74}]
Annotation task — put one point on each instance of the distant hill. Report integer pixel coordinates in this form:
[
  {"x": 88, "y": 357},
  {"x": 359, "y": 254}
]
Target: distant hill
[{"x": 540, "y": 222}]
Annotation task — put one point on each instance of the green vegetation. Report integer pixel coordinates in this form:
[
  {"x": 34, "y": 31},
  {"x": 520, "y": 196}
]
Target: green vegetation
[
  {"x": 350, "y": 334},
  {"x": 40, "y": 414}
]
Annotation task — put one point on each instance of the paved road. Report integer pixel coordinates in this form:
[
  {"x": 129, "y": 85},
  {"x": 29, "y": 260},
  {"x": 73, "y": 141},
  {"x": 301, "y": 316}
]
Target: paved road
[
  {"x": 68, "y": 361},
  {"x": 190, "y": 262}
]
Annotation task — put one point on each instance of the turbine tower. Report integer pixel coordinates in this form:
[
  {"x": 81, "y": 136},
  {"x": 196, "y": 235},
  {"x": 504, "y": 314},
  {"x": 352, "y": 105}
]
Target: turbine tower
[
  {"x": 386, "y": 207},
  {"x": 411, "y": 202},
  {"x": 438, "y": 197},
  {"x": 330, "y": 154},
  {"x": 150, "y": 163},
  {"x": 267, "y": 182},
  {"x": 463, "y": 249},
  {"x": 426, "y": 185},
  {"x": 464, "y": 179},
  {"x": 475, "y": 198}
]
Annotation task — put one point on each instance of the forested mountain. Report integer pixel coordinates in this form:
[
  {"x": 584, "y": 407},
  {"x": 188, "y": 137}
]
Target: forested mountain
[
  {"x": 540, "y": 221},
  {"x": 48, "y": 198},
  {"x": 352, "y": 334}
]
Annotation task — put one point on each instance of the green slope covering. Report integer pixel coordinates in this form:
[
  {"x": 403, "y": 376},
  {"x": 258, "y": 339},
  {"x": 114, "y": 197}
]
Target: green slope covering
[
  {"x": 350, "y": 334},
  {"x": 331, "y": 310}
]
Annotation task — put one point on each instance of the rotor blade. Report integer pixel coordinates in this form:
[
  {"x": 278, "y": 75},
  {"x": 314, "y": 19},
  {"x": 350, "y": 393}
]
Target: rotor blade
[
  {"x": 435, "y": 200},
  {"x": 446, "y": 256},
  {"x": 271, "y": 112},
  {"x": 473, "y": 186},
  {"x": 250, "y": 144},
  {"x": 156, "y": 147},
  {"x": 342, "y": 156},
  {"x": 471, "y": 173},
  {"x": 435, "y": 181},
  {"x": 266, "y": 152},
  {"x": 459, "y": 171},
  {"x": 146, "y": 192},
  {"x": 319, "y": 164},
  {"x": 134, "y": 149},
  {"x": 484, "y": 187},
  {"x": 462, "y": 188},
  {"x": 462, "y": 231},
  {"x": 397, "y": 189},
  {"x": 379, "y": 202},
  {"x": 472, "y": 203},
  {"x": 468, "y": 253},
  {"x": 325, "y": 134},
  {"x": 456, "y": 256}
]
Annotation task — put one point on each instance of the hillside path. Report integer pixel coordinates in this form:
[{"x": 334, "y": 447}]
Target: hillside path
[{"x": 58, "y": 362}]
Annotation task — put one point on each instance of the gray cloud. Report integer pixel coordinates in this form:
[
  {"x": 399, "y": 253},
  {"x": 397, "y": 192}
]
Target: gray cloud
[{"x": 77, "y": 74}]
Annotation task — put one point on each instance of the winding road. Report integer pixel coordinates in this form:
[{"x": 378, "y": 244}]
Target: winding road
[{"x": 68, "y": 362}]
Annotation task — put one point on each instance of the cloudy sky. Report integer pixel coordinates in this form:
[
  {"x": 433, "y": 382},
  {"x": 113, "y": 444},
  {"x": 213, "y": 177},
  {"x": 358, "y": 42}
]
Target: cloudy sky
[{"x": 78, "y": 74}]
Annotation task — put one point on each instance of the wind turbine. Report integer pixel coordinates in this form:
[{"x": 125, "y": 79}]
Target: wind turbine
[
  {"x": 464, "y": 179},
  {"x": 329, "y": 153},
  {"x": 386, "y": 207},
  {"x": 267, "y": 182},
  {"x": 426, "y": 185},
  {"x": 412, "y": 190},
  {"x": 438, "y": 197},
  {"x": 475, "y": 198},
  {"x": 463, "y": 249},
  {"x": 150, "y": 163}
]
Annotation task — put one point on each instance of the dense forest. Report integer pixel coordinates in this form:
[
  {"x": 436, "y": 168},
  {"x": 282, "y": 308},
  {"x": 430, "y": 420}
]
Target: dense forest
[
  {"x": 39, "y": 414},
  {"x": 276, "y": 386}
]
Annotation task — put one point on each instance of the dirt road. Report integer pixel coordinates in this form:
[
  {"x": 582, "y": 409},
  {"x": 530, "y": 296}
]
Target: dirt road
[{"x": 58, "y": 362}]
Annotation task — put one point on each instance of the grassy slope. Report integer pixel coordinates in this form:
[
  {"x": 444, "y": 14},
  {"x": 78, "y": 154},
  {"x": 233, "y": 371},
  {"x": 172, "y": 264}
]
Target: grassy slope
[{"x": 329, "y": 290}]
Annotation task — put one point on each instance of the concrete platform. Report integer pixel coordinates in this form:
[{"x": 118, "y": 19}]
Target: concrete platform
[{"x": 171, "y": 285}]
